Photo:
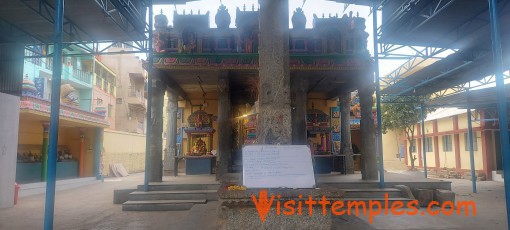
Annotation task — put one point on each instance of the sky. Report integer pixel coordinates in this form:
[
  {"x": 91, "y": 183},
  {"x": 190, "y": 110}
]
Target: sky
[{"x": 310, "y": 7}]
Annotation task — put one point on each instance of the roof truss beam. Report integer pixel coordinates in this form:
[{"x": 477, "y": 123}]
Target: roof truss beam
[
  {"x": 16, "y": 34},
  {"x": 47, "y": 11},
  {"x": 125, "y": 15},
  {"x": 88, "y": 48}
]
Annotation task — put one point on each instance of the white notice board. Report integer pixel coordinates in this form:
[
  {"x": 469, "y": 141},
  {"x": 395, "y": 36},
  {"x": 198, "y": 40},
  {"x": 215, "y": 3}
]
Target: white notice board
[{"x": 275, "y": 166}]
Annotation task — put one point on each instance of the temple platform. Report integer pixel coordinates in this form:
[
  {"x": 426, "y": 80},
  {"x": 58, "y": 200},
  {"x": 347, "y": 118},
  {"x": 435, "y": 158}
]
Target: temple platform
[
  {"x": 413, "y": 180},
  {"x": 410, "y": 179}
]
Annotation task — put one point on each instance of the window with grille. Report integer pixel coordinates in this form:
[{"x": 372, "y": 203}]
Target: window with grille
[
  {"x": 475, "y": 142},
  {"x": 429, "y": 147},
  {"x": 447, "y": 143}
]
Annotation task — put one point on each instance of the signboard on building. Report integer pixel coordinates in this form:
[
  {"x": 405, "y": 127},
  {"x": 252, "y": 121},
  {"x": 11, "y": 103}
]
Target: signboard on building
[
  {"x": 39, "y": 83},
  {"x": 277, "y": 166}
]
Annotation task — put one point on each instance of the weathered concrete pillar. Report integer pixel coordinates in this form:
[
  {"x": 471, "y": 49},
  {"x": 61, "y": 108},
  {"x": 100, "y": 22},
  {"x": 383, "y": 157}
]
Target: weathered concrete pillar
[
  {"x": 274, "y": 117},
  {"x": 156, "y": 144},
  {"x": 224, "y": 126},
  {"x": 345, "y": 109},
  {"x": 171, "y": 131},
  {"x": 368, "y": 145},
  {"x": 299, "y": 89}
]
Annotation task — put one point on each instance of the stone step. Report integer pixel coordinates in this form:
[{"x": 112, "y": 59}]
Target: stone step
[
  {"x": 174, "y": 187},
  {"x": 174, "y": 195},
  {"x": 160, "y": 205},
  {"x": 405, "y": 201},
  {"x": 372, "y": 193},
  {"x": 357, "y": 185}
]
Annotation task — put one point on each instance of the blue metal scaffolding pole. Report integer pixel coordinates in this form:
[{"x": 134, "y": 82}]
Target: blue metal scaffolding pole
[
  {"x": 378, "y": 97},
  {"x": 423, "y": 149},
  {"x": 502, "y": 110},
  {"x": 470, "y": 141},
  {"x": 149, "y": 100},
  {"x": 49, "y": 207}
]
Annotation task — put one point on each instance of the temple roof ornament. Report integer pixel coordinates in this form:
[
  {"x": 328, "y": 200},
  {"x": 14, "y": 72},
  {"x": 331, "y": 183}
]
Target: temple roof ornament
[
  {"x": 28, "y": 87},
  {"x": 222, "y": 18},
  {"x": 160, "y": 21},
  {"x": 299, "y": 19}
]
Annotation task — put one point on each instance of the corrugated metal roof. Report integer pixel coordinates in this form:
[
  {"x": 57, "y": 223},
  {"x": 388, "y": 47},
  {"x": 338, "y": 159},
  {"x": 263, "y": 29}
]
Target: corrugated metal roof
[{"x": 479, "y": 99}]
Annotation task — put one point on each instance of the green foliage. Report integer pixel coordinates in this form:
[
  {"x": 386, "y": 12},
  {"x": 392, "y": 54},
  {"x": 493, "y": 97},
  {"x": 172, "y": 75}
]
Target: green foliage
[
  {"x": 399, "y": 116},
  {"x": 403, "y": 115}
]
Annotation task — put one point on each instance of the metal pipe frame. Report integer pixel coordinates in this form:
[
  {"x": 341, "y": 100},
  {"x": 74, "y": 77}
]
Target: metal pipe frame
[
  {"x": 45, "y": 10},
  {"x": 424, "y": 152},
  {"x": 465, "y": 29},
  {"x": 414, "y": 61},
  {"x": 54, "y": 118},
  {"x": 470, "y": 141},
  {"x": 396, "y": 51},
  {"x": 502, "y": 106},
  {"x": 124, "y": 14},
  {"x": 491, "y": 79},
  {"x": 433, "y": 9},
  {"x": 149, "y": 100},
  {"x": 435, "y": 78},
  {"x": 378, "y": 98}
]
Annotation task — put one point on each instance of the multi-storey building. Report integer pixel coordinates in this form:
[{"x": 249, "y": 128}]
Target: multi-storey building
[
  {"x": 130, "y": 81},
  {"x": 86, "y": 109}
]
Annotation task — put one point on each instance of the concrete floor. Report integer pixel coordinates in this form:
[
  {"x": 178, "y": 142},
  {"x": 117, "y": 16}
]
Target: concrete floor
[{"x": 91, "y": 207}]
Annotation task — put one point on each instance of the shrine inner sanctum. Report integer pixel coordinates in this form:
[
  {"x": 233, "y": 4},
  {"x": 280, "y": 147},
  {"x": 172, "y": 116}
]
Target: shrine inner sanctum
[{"x": 253, "y": 80}]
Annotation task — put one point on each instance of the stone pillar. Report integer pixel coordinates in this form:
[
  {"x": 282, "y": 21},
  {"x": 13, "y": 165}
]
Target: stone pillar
[
  {"x": 224, "y": 126},
  {"x": 98, "y": 153},
  {"x": 274, "y": 117},
  {"x": 299, "y": 89},
  {"x": 171, "y": 131},
  {"x": 44, "y": 152},
  {"x": 156, "y": 144},
  {"x": 368, "y": 144},
  {"x": 345, "y": 110}
]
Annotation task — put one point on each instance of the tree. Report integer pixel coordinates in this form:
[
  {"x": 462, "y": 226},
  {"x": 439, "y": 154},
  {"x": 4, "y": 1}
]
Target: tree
[{"x": 402, "y": 115}]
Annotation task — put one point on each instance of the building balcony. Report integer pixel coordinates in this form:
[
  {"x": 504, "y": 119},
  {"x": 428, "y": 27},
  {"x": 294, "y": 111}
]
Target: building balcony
[
  {"x": 76, "y": 77},
  {"x": 136, "y": 98},
  {"x": 33, "y": 106}
]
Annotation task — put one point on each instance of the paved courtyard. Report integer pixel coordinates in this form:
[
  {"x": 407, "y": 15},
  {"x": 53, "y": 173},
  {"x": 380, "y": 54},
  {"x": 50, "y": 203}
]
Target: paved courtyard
[{"x": 91, "y": 207}]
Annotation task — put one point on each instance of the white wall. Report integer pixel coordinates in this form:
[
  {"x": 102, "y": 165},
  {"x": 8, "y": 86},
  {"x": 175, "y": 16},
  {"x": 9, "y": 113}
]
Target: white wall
[{"x": 9, "y": 122}]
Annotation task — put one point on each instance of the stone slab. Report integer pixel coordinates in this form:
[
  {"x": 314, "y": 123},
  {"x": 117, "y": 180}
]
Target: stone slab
[
  {"x": 441, "y": 196},
  {"x": 424, "y": 196}
]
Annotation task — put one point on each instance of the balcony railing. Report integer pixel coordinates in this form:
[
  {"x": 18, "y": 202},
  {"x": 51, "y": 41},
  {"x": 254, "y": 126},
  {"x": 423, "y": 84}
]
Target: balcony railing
[
  {"x": 137, "y": 96},
  {"x": 82, "y": 76}
]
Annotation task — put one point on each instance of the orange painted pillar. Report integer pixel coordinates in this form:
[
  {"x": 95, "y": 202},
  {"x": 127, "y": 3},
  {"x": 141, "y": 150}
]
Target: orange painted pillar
[
  {"x": 418, "y": 146},
  {"x": 456, "y": 142},
  {"x": 436, "y": 144}
]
